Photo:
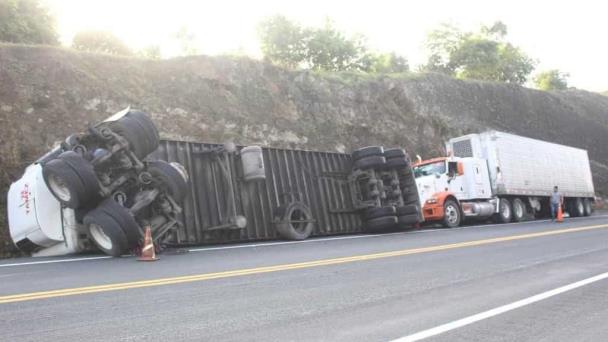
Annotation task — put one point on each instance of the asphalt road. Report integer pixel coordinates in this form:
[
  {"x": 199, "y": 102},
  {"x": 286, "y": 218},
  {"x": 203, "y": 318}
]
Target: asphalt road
[{"x": 516, "y": 282}]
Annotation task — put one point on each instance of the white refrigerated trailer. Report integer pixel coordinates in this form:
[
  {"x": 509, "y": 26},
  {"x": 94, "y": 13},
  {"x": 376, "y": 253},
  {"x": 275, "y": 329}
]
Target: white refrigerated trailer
[{"x": 503, "y": 175}]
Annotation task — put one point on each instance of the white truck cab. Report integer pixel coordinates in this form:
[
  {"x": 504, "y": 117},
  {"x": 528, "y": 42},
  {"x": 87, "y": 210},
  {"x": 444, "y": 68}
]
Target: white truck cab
[
  {"x": 505, "y": 175},
  {"x": 461, "y": 180},
  {"x": 37, "y": 222}
]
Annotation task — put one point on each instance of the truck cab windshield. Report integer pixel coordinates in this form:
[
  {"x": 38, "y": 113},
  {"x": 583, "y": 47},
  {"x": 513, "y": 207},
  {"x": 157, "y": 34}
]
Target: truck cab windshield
[{"x": 429, "y": 169}]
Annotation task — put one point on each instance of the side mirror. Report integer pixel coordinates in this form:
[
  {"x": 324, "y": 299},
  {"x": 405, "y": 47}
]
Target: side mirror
[{"x": 460, "y": 168}]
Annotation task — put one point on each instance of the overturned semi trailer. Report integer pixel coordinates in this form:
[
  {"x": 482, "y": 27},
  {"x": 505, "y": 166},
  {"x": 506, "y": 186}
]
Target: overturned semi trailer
[
  {"x": 103, "y": 188},
  {"x": 252, "y": 193}
]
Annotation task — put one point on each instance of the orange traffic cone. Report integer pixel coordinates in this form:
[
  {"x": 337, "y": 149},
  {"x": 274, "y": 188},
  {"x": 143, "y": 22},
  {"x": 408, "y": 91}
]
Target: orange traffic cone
[
  {"x": 560, "y": 214},
  {"x": 147, "y": 252}
]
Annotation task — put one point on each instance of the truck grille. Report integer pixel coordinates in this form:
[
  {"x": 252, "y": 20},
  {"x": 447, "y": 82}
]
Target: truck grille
[{"x": 463, "y": 148}]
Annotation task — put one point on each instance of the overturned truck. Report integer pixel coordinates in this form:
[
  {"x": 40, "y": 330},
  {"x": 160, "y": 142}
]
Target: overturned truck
[{"x": 100, "y": 189}]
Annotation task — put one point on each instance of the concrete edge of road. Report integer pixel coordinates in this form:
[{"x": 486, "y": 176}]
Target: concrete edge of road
[
  {"x": 498, "y": 310},
  {"x": 280, "y": 243},
  {"x": 20, "y": 297}
]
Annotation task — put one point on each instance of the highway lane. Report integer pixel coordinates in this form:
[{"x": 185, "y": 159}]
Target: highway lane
[{"x": 379, "y": 299}]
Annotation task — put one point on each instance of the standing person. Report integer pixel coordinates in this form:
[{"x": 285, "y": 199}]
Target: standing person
[{"x": 556, "y": 202}]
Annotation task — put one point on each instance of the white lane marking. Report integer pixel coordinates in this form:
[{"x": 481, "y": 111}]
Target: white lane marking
[
  {"x": 430, "y": 230},
  {"x": 53, "y": 261},
  {"x": 499, "y": 310},
  {"x": 250, "y": 245}
]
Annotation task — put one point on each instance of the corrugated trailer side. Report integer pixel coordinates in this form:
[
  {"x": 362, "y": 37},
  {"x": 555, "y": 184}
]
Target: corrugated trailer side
[
  {"x": 525, "y": 166},
  {"x": 315, "y": 178}
]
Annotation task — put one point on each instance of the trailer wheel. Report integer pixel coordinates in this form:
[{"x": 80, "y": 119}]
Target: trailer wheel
[
  {"x": 397, "y": 163},
  {"x": 381, "y": 223},
  {"x": 408, "y": 220},
  {"x": 375, "y": 212},
  {"x": 139, "y": 131},
  {"x": 588, "y": 207},
  {"x": 171, "y": 178},
  {"x": 294, "y": 221},
  {"x": 370, "y": 163},
  {"x": 72, "y": 180},
  {"x": 519, "y": 210},
  {"x": 367, "y": 152},
  {"x": 394, "y": 153},
  {"x": 106, "y": 232},
  {"x": 505, "y": 211},
  {"x": 408, "y": 209},
  {"x": 578, "y": 208},
  {"x": 411, "y": 198},
  {"x": 451, "y": 214}
]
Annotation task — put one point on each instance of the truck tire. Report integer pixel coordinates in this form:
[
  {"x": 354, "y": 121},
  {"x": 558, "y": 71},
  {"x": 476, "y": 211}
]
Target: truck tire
[
  {"x": 397, "y": 163},
  {"x": 375, "y": 212},
  {"x": 505, "y": 211},
  {"x": 407, "y": 220},
  {"x": 139, "y": 131},
  {"x": 72, "y": 180},
  {"x": 408, "y": 210},
  {"x": 519, "y": 210},
  {"x": 370, "y": 163},
  {"x": 411, "y": 198},
  {"x": 106, "y": 233},
  {"x": 588, "y": 207},
  {"x": 381, "y": 223},
  {"x": 394, "y": 153},
  {"x": 578, "y": 208},
  {"x": 294, "y": 221},
  {"x": 367, "y": 152},
  {"x": 451, "y": 214},
  {"x": 169, "y": 179},
  {"x": 126, "y": 221}
]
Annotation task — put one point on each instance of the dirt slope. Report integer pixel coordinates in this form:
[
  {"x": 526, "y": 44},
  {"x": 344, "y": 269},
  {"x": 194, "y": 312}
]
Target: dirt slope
[{"x": 47, "y": 93}]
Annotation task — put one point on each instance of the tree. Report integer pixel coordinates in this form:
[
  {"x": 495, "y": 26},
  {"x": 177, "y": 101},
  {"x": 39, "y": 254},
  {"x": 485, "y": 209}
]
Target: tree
[
  {"x": 282, "y": 41},
  {"x": 150, "y": 52},
  {"x": 187, "y": 41},
  {"x": 328, "y": 49},
  {"x": 387, "y": 63},
  {"x": 484, "y": 55},
  {"x": 551, "y": 80},
  {"x": 100, "y": 41},
  {"x": 27, "y": 22},
  {"x": 288, "y": 44}
]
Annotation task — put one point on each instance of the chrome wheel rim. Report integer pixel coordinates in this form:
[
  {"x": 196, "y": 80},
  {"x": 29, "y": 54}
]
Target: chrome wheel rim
[
  {"x": 506, "y": 211},
  {"x": 451, "y": 214},
  {"x": 100, "y": 237},
  {"x": 519, "y": 210},
  {"x": 59, "y": 188}
]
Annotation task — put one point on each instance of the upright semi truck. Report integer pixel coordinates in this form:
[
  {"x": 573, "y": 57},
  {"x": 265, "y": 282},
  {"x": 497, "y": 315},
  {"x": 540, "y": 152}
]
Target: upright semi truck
[{"x": 504, "y": 176}]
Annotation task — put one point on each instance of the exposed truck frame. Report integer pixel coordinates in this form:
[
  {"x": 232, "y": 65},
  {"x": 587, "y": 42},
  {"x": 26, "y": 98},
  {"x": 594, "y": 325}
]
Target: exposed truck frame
[{"x": 504, "y": 176}]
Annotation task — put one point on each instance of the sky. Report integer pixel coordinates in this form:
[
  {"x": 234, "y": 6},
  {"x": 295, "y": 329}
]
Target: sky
[{"x": 571, "y": 36}]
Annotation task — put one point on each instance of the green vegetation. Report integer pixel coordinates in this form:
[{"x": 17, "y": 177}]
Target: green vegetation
[
  {"x": 100, "y": 41},
  {"x": 551, "y": 80},
  {"x": 26, "y": 22},
  {"x": 288, "y": 44},
  {"x": 186, "y": 40},
  {"x": 483, "y": 55},
  {"x": 150, "y": 52}
]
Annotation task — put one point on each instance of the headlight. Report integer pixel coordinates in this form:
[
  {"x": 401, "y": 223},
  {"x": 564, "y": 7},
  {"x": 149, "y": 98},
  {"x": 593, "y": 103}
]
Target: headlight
[{"x": 431, "y": 200}]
